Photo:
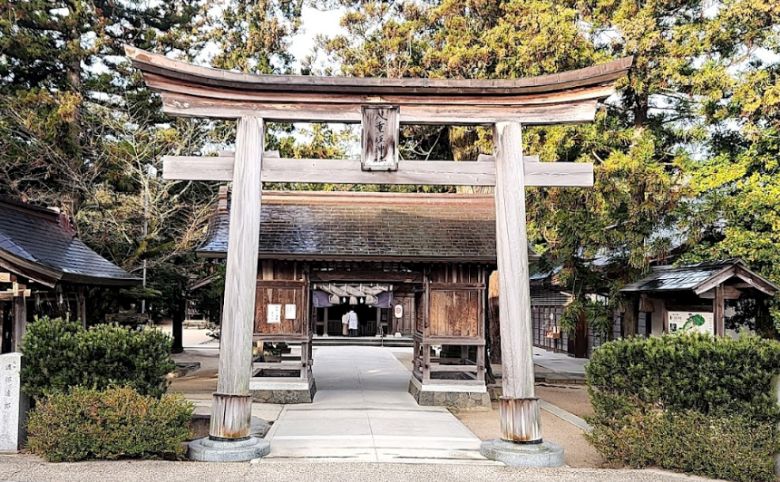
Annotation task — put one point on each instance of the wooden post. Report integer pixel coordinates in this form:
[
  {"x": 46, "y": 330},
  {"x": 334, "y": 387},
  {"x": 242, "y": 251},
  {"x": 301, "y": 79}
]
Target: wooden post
[
  {"x": 581, "y": 337},
  {"x": 232, "y": 406},
  {"x": 177, "y": 323},
  {"x": 379, "y": 330},
  {"x": 519, "y": 408},
  {"x": 20, "y": 319},
  {"x": 324, "y": 321},
  {"x": 718, "y": 308},
  {"x": 630, "y": 315},
  {"x": 81, "y": 306}
]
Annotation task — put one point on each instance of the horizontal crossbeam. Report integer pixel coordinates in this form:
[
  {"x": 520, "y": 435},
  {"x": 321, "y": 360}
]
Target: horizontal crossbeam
[
  {"x": 343, "y": 171},
  {"x": 573, "y": 112}
]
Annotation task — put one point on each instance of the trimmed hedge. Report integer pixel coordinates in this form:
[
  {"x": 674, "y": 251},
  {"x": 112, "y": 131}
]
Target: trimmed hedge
[
  {"x": 115, "y": 423},
  {"x": 687, "y": 402},
  {"x": 61, "y": 354},
  {"x": 733, "y": 448}
]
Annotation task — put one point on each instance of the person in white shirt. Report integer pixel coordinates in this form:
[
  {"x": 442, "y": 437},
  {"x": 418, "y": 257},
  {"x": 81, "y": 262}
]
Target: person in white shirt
[
  {"x": 353, "y": 323},
  {"x": 345, "y": 324}
]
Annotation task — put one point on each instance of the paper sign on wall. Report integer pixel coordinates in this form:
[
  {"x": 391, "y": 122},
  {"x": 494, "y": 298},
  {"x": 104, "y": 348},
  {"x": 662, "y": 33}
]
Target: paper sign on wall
[
  {"x": 274, "y": 313},
  {"x": 289, "y": 312}
]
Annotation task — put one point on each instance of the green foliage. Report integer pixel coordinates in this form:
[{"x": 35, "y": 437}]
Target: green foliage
[
  {"x": 80, "y": 131},
  {"x": 116, "y": 423},
  {"x": 595, "y": 313},
  {"x": 60, "y": 355},
  {"x": 688, "y": 146},
  {"x": 688, "y": 149},
  {"x": 713, "y": 375},
  {"x": 687, "y": 402},
  {"x": 723, "y": 447}
]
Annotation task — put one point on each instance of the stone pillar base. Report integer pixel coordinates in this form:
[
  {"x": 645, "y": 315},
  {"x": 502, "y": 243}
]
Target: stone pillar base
[
  {"x": 545, "y": 454},
  {"x": 451, "y": 396},
  {"x": 284, "y": 392},
  {"x": 207, "y": 450}
]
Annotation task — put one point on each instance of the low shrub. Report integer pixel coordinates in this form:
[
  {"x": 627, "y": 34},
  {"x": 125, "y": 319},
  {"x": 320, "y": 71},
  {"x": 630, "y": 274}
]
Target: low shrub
[
  {"x": 61, "y": 354},
  {"x": 116, "y": 423},
  {"x": 724, "y": 447},
  {"x": 688, "y": 371},
  {"x": 687, "y": 402}
]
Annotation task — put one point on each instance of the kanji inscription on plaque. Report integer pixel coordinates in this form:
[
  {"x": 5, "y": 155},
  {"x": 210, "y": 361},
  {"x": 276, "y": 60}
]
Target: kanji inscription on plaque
[{"x": 380, "y": 138}]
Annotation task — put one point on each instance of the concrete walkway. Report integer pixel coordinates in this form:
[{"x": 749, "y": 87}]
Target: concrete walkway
[
  {"x": 552, "y": 367},
  {"x": 363, "y": 413}
]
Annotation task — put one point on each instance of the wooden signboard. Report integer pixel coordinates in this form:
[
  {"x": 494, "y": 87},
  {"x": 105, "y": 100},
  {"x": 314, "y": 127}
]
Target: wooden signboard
[
  {"x": 702, "y": 322},
  {"x": 380, "y": 138}
]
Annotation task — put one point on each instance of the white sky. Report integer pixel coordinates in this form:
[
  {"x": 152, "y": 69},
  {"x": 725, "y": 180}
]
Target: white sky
[{"x": 314, "y": 22}]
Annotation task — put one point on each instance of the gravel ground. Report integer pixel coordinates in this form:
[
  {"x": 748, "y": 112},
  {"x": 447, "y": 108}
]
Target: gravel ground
[
  {"x": 25, "y": 468},
  {"x": 577, "y": 451},
  {"x": 572, "y": 398}
]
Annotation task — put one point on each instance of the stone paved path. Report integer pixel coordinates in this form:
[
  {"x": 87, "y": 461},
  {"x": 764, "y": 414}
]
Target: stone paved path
[{"x": 362, "y": 412}]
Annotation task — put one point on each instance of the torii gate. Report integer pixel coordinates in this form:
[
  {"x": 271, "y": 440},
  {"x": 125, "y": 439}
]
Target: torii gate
[{"x": 380, "y": 105}]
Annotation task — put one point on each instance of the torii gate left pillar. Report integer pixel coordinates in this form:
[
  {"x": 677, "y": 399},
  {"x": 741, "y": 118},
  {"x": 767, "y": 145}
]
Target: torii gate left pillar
[{"x": 231, "y": 411}]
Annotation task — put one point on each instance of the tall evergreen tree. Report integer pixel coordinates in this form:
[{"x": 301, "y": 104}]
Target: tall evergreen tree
[
  {"x": 79, "y": 130},
  {"x": 651, "y": 145}
]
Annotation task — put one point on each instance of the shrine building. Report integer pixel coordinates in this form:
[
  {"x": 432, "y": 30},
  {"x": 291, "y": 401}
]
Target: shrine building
[
  {"x": 46, "y": 270},
  {"x": 322, "y": 254}
]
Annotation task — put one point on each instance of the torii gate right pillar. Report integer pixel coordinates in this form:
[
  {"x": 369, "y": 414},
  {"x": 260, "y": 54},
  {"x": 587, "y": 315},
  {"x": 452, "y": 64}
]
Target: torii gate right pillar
[{"x": 521, "y": 441}]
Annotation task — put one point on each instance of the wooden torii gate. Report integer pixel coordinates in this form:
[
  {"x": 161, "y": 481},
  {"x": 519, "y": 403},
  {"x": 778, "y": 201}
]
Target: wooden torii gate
[{"x": 380, "y": 105}]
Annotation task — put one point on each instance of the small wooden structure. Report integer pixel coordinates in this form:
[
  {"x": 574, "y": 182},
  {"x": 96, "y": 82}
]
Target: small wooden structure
[
  {"x": 46, "y": 270},
  {"x": 693, "y": 297},
  {"x": 189, "y": 90}
]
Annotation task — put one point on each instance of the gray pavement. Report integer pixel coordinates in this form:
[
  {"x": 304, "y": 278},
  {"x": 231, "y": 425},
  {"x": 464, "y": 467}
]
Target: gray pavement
[
  {"x": 21, "y": 468},
  {"x": 362, "y": 412},
  {"x": 559, "y": 362}
]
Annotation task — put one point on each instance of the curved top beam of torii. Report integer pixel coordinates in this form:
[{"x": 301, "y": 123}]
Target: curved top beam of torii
[{"x": 190, "y": 90}]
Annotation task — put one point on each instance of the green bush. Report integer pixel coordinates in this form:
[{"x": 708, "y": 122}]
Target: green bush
[
  {"x": 61, "y": 354},
  {"x": 687, "y": 402},
  {"x": 728, "y": 447},
  {"x": 115, "y": 423}
]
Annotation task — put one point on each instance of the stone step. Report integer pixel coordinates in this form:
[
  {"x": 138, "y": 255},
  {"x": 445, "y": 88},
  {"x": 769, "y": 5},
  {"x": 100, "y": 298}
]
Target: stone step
[{"x": 391, "y": 341}]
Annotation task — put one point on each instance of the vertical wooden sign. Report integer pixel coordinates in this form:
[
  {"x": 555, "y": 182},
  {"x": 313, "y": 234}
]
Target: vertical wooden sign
[{"x": 380, "y": 138}]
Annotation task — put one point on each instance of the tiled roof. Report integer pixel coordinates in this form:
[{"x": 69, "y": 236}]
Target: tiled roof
[
  {"x": 376, "y": 226},
  {"x": 34, "y": 239},
  {"x": 691, "y": 277}
]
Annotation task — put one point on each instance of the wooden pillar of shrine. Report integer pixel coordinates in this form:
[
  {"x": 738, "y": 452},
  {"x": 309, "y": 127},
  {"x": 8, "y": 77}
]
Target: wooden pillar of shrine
[
  {"x": 20, "y": 321},
  {"x": 718, "y": 311},
  {"x": 519, "y": 409},
  {"x": 232, "y": 405},
  {"x": 81, "y": 305}
]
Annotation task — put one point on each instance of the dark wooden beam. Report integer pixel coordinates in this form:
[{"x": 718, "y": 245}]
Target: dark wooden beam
[
  {"x": 193, "y": 75},
  {"x": 190, "y": 90}
]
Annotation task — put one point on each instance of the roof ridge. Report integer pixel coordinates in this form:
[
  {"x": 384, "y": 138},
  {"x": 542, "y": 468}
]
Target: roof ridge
[{"x": 40, "y": 211}]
